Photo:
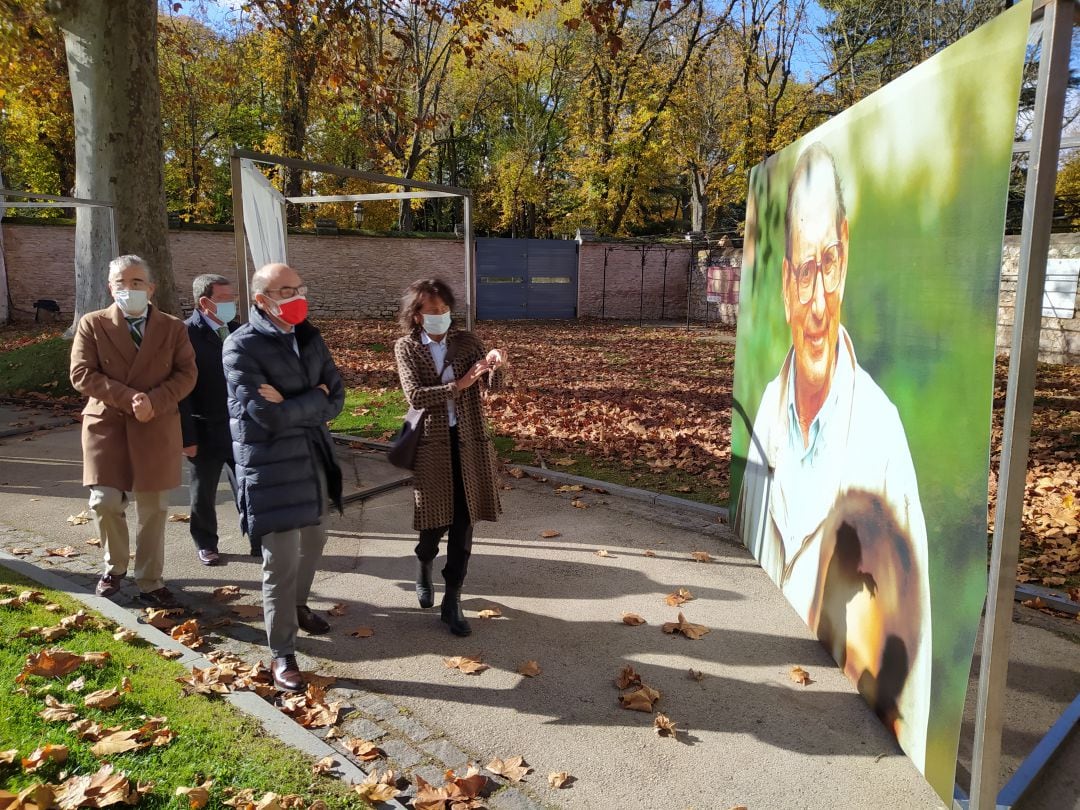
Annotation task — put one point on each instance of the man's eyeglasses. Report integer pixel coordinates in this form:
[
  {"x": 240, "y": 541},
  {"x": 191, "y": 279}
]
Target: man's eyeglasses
[
  {"x": 829, "y": 266},
  {"x": 290, "y": 292}
]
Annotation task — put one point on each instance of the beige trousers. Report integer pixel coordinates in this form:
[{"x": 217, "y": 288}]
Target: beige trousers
[{"x": 151, "y": 511}]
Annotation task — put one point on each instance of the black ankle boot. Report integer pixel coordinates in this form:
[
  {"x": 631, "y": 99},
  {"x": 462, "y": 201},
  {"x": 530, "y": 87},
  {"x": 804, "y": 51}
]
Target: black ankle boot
[
  {"x": 451, "y": 612},
  {"x": 425, "y": 590}
]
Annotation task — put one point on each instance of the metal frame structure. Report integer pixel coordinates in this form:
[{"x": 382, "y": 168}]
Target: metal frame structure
[
  {"x": 54, "y": 201},
  {"x": 420, "y": 189},
  {"x": 1057, "y": 20}
]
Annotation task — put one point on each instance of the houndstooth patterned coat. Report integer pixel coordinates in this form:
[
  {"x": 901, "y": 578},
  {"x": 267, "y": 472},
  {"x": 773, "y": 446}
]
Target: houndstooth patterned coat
[{"x": 433, "y": 477}]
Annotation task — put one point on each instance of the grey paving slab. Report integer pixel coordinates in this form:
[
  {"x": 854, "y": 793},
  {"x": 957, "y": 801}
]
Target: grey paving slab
[
  {"x": 415, "y": 731},
  {"x": 401, "y": 753},
  {"x": 446, "y": 752}
]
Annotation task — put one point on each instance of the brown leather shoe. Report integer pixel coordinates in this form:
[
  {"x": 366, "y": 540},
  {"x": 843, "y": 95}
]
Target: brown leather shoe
[
  {"x": 109, "y": 584},
  {"x": 286, "y": 674},
  {"x": 310, "y": 622}
]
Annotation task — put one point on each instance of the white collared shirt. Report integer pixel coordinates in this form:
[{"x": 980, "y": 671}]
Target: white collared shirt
[{"x": 446, "y": 370}]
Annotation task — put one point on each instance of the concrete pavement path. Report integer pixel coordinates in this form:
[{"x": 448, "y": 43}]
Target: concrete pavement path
[{"x": 748, "y": 734}]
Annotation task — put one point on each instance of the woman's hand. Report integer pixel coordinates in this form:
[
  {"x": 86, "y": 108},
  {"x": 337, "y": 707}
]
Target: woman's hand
[
  {"x": 270, "y": 394},
  {"x": 478, "y": 368},
  {"x": 497, "y": 358}
]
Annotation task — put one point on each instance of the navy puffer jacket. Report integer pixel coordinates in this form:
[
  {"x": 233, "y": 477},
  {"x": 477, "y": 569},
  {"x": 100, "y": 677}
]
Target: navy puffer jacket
[{"x": 277, "y": 445}]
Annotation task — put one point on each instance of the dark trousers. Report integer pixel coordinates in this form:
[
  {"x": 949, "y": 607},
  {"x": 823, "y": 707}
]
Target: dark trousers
[
  {"x": 205, "y": 476},
  {"x": 459, "y": 544}
]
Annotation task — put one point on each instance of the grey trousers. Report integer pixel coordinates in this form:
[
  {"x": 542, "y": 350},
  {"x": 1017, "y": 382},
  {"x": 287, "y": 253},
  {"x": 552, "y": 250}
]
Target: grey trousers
[
  {"x": 289, "y": 563},
  {"x": 109, "y": 506}
]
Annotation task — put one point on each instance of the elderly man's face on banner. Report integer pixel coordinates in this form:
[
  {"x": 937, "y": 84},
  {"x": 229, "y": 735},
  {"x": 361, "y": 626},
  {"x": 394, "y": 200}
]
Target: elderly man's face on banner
[{"x": 815, "y": 269}]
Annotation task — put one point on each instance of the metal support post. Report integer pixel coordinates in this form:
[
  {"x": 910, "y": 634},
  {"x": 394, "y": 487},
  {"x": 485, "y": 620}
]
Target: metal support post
[
  {"x": 641, "y": 289},
  {"x": 242, "y": 288},
  {"x": 663, "y": 295},
  {"x": 470, "y": 275},
  {"x": 1034, "y": 246},
  {"x": 603, "y": 288}
]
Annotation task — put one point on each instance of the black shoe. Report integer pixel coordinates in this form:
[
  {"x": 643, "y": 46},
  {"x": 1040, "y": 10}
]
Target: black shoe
[
  {"x": 109, "y": 584},
  {"x": 425, "y": 589},
  {"x": 161, "y": 598},
  {"x": 310, "y": 622},
  {"x": 452, "y": 615},
  {"x": 286, "y": 674}
]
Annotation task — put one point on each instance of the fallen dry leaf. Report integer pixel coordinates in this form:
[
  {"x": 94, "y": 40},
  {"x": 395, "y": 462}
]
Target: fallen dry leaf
[
  {"x": 197, "y": 796},
  {"x": 77, "y": 685},
  {"x": 161, "y": 618},
  {"x": 640, "y": 699},
  {"x": 530, "y": 669},
  {"x": 362, "y": 632},
  {"x": 694, "y": 674},
  {"x": 50, "y": 664},
  {"x": 43, "y": 755},
  {"x": 558, "y": 778},
  {"x": 627, "y": 677},
  {"x": 649, "y": 553},
  {"x": 226, "y": 592},
  {"x": 364, "y": 750},
  {"x": 800, "y": 676},
  {"x": 168, "y": 654},
  {"x": 691, "y": 631},
  {"x": 9, "y": 757},
  {"x": 701, "y": 556},
  {"x": 324, "y": 766},
  {"x": 102, "y": 699},
  {"x": 664, "y": 726},
  {"x": 118, "y": 742},
  {"x": 602, "y": 552},
  {"x": 94, "y": 541},
  {"x": 378, "y": 788},
  {"x": 55, "y": 711},
  {"x": 63, "y": 551},
  {"x": 179, "y": 517},
  {"x": 127, "y": 636},
  {"x": 80, "y": 519},
  {"x": 490, "y": 612},
  {"x": 513, "y": 768},
  {"x": 52, "y": 607},
  {"x": 470, "y": 665},
  {"x": 633, "y": 619},
  {"x": 515, "y": 472},
  {"x": 577, "y": 503},
  {"x": 247, "y": 611},
  {"x": 570, "y": 488},
  {"x": 338, "y": 609},
  {"x": 678, "y": 597},
  {"x": 21, "y": 551},
  {"x": 549, "y": 533},
  {"x": 188, "y": 634}
]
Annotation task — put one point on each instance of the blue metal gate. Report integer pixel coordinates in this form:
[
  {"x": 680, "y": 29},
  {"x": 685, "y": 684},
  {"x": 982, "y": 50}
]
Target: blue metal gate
[{"x": 526, "y": 278}]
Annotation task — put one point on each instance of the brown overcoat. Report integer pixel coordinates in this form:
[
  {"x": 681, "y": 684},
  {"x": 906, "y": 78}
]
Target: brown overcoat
[
  {"x": 433, "y": 481},
  {"x": 118, "y": 450}
]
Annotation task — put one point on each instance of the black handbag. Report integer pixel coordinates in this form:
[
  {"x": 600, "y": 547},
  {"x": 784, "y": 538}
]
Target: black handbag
[{"x": 404, "y": 445}]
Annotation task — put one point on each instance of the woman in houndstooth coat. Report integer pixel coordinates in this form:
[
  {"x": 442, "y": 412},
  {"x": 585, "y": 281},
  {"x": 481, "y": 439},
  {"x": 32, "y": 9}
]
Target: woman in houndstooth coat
[{"x": 455, "y": 482}]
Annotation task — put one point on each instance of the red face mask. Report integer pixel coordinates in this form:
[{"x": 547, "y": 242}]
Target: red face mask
[{"x": 292, "y": 310}]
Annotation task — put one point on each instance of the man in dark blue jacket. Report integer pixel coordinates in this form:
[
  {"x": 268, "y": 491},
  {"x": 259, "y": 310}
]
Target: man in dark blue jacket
[
  {"x": 204, "y": 414},
  {"x": 283, "y": 389}
]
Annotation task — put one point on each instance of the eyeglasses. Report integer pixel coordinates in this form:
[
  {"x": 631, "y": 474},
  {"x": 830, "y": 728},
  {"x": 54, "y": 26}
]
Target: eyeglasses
[
  {"x": 291, "y": 292},
  {"x": 829, "y": 267}
]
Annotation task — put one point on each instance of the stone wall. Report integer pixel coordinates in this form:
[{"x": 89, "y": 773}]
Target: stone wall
[{"x": 350, "y": 276}]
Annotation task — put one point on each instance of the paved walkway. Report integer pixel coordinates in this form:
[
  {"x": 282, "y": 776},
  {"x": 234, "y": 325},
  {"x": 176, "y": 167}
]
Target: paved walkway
[{"x": 748, "y": 734}]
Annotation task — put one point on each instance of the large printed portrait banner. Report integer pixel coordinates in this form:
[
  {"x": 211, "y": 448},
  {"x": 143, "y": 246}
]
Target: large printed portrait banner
[{"x": 864, "y": 378}]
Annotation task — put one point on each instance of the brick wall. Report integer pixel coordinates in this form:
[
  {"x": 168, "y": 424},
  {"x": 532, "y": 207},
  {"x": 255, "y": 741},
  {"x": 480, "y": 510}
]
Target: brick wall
[
  {"x": 350, "y": 276},
  {"x": 616, "y": 292}
]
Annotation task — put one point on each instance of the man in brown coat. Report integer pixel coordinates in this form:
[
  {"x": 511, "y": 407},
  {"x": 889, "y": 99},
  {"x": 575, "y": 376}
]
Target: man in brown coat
[{"x": 135, "y": 363}]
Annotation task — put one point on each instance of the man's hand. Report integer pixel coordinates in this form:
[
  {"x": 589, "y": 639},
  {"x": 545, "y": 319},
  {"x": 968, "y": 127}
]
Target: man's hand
[
  {"x": 322, "y": 387},
  {"x": 191, "y": 450},
  {"x": 142, "y": 407},
  {"x": 270, "y": 394}
]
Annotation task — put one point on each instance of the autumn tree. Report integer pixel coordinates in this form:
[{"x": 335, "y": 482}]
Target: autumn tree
[{"x": 111, "y": 48}]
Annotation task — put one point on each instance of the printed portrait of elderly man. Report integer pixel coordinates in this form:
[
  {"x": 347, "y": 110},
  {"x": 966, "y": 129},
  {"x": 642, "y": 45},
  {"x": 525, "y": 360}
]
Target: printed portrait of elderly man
[{"x": 829, "y": 503}]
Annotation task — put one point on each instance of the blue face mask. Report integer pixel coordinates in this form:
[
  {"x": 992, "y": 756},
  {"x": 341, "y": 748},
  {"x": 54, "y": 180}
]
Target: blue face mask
[
  {"x": 226, "y": 311},
  {"x": 437, "y": 324}
]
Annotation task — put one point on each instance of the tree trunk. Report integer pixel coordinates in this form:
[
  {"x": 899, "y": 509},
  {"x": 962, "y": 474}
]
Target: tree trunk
[
  {"x": 5, "y": 313},
  {"x": 699, "y": 205},
  {"x": 111, "y": 50}
]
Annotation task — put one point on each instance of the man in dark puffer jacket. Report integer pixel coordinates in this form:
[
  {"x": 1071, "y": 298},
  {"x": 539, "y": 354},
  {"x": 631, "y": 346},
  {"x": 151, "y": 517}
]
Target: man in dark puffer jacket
[{"x": 283, "y": 388}]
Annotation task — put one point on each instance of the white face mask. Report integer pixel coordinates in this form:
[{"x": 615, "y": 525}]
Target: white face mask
[
  {"x": 437, "y": 324},
  {"x": 131, "y": 302}
]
